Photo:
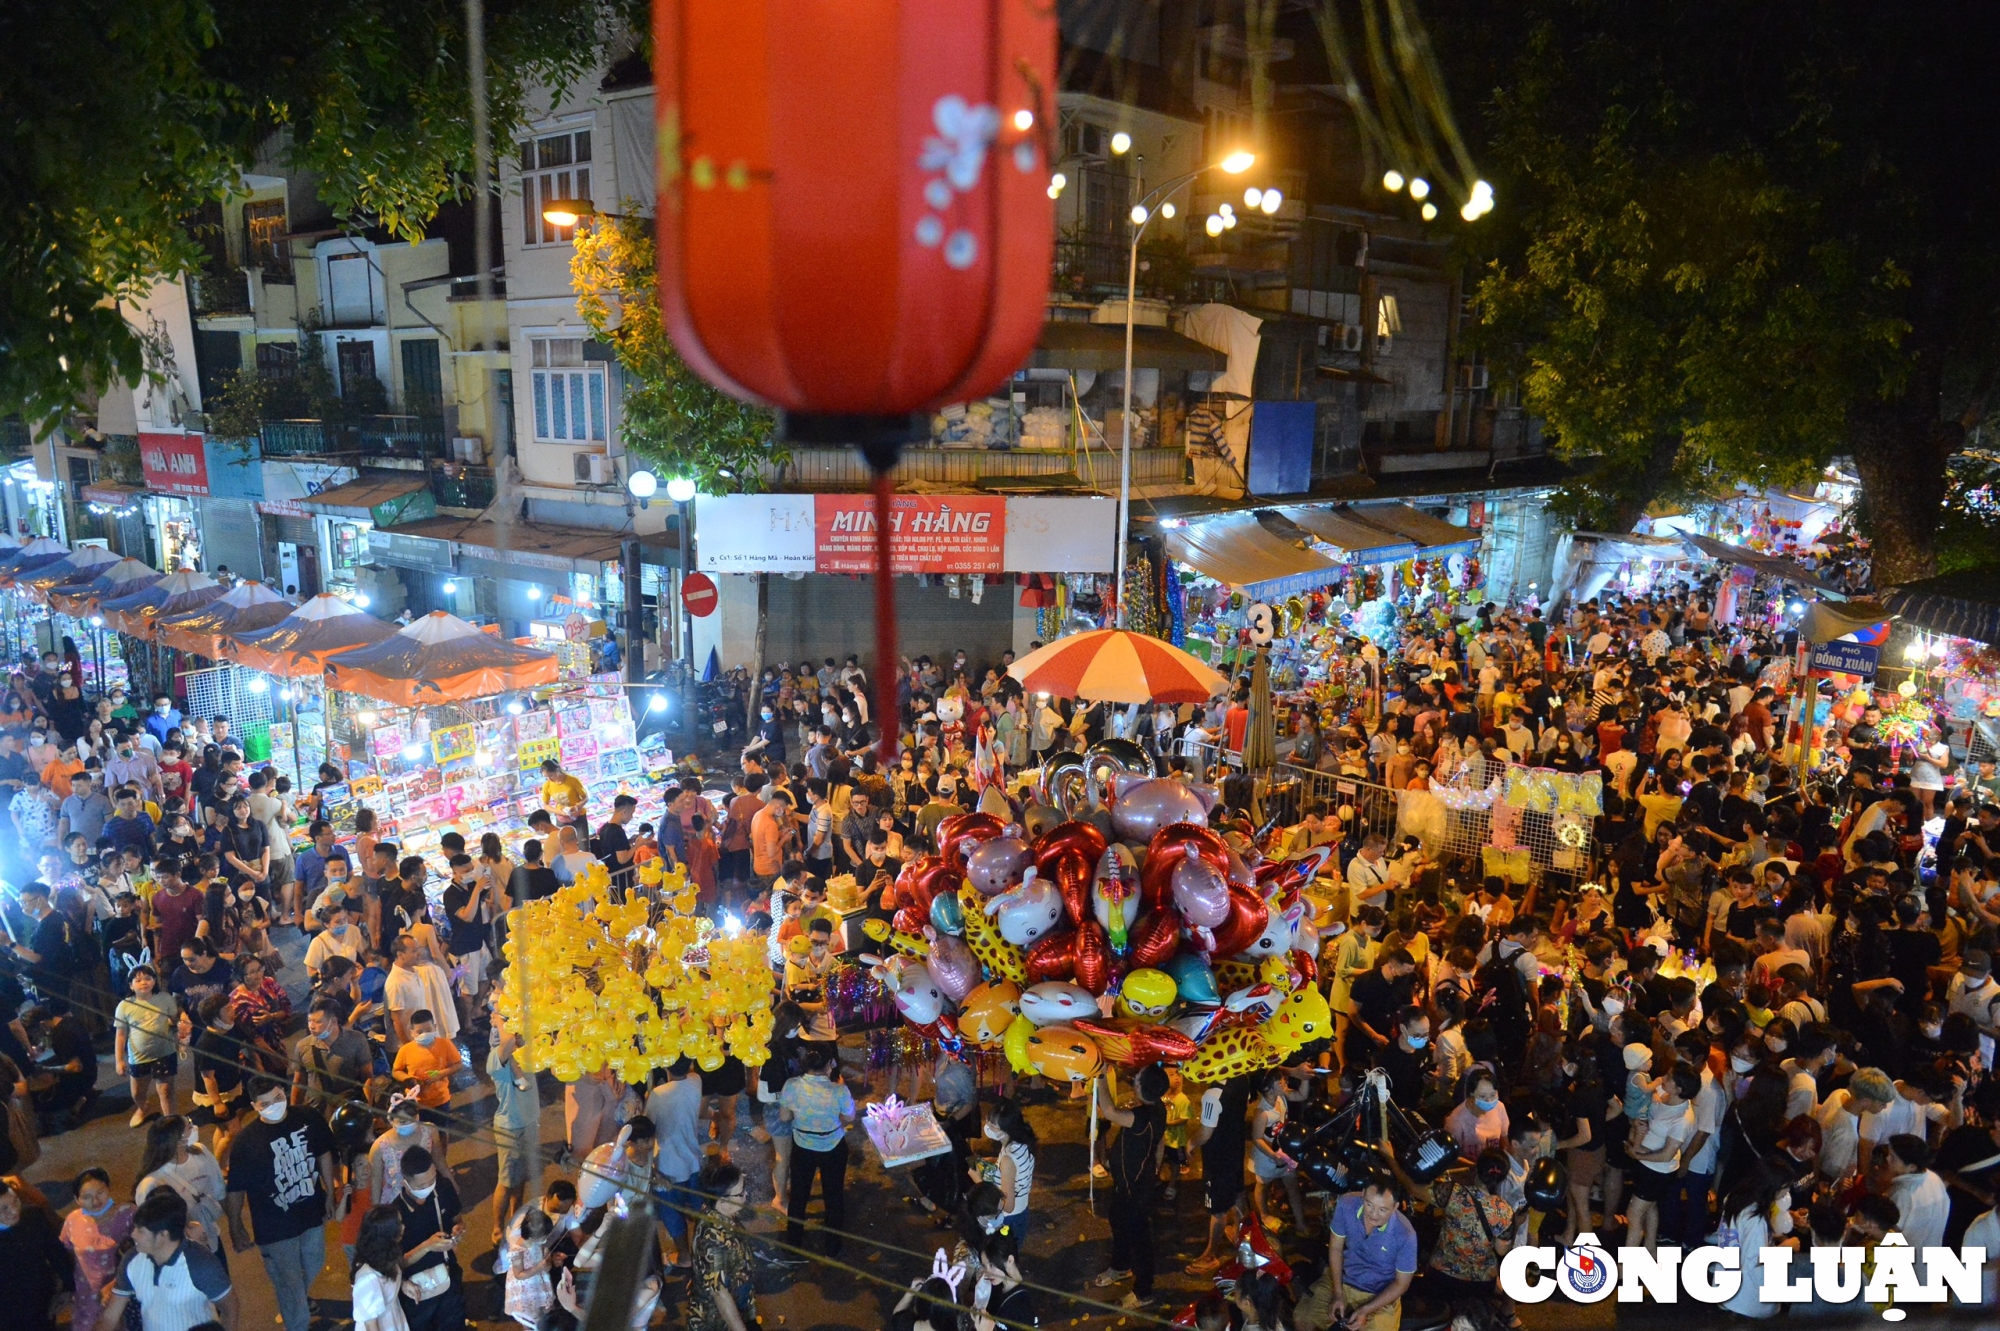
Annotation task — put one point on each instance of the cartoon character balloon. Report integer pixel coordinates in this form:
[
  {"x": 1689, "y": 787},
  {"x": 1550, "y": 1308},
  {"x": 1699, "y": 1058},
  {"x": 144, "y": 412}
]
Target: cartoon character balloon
[
  {"x": 916, "y": 994},
  {"x": 996, "y": 864},
  {"x": 953, "y": 966},
  {"x": 1147, "y": 993},
  {"x": 1055, "y": 1001},
  {"x": 988, "y": 1011},
  {"x": 1142, "y": 806},
  {"x": 1063, "y": 1053},
  {"x": 1026, "y": 913}
]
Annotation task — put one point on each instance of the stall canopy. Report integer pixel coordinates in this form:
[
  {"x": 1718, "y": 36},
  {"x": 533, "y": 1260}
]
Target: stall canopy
[
  {"x": 1867, "y": 621},
  {"x": 1355, "y": 542},
  {"x": 1965, "y": 604},
  {"x": 38, "y": 553},
  {"x": 84, "y": 563},
  {"x": 1238, "y": 550},
  {"x": 1632, "y": 545},
  {"x": 175, "y": 594},
  {"x": 245, "y": 608},
  {"x": 301, "y": 642},
  {"x": 439, "y": 659},
  {"x": 1087, "y": 346},
  {"x": 1435, "y": 537},
  {"x": 119, "y": 579},
  {"x": 1751, "y": 559}
]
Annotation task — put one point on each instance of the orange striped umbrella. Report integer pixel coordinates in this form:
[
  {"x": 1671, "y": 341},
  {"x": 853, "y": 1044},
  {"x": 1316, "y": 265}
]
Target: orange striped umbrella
[{"x": 1116, "y": 665}]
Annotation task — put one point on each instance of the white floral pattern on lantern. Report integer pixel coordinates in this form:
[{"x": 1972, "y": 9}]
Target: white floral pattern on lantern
[{"x": 964, "y": 132}]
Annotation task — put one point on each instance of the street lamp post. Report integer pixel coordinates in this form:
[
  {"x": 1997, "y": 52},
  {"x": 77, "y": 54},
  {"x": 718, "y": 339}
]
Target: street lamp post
[{"x": 1143, "y": 213}]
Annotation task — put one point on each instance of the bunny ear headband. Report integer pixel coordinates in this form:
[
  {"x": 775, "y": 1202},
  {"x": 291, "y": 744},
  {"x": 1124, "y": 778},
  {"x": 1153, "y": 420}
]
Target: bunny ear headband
[
  {"x": 952, "y": 1275},
  {"x": 402, "y": 1097}
]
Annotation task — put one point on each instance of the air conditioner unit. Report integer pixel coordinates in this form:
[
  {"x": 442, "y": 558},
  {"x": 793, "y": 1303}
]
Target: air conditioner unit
[
  {"x": 1350, "y": 337},
  {"x": 1472, "y": 377},
  {"x": 595, "y": 469}
]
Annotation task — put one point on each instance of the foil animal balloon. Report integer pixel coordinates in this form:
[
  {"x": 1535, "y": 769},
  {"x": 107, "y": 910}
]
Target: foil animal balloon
[
  {"x": 1170, "y": 847},
  {"x": 957, "y": 835},
  {"x": 1147, "y": 994},
  {"x": 1301, "y": 1019},
  {"x": 1281, "y": 929},
  {"x": 1094, "y": 962},
  {"x": 1053, "y": 958},
  {"x": 997, "y": 863},
  {"x": 1198, "y": 892},
  {"x": 952, "y": 965},
  {"x": 1193, "y": 978},
  {"x": 1053, "y": 1001},
  {"x": 1114, "y": 895},
  {"x": 1064, "y": 785},
  {"x": 1230, "y": 1053},
  {"x": 1142, "y": 806},
  {"x": 1247, "y": 917},
  {"x": 910, "y": 985},
  {"x": 1001, "y": 958},
  {"x": 1063, "y": 1053},
  {"x": 1133, "y": 1044},
  {"x": 1067, "y": 856},
  {"x": 947, "y": 915},
  {"x": 1028, "y": 912},
  {"x": 988, "y": 1011},
  {"x": 1109, "y": 759}
]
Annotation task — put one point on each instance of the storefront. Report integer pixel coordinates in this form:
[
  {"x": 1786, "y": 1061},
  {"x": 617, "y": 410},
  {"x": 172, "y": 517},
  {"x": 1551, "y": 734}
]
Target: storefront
[{"x": 345, "y": 515}]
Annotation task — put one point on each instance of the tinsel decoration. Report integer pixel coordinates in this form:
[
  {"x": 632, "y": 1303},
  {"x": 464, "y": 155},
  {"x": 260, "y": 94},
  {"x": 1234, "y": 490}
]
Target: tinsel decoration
[
  {"x": 1176, "y": 605},
  {"x": 1141, "y": 614},
  {"x": 901, "y": 1047},
  {"x": 856, "y": 998}
]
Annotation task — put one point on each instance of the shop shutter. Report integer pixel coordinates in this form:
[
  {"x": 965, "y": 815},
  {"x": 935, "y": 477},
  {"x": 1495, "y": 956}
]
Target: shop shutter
[
  {"x": 824, "y": 615},
  {"x": 232, "y": 533},
  {"x": 297, "y": 530}
]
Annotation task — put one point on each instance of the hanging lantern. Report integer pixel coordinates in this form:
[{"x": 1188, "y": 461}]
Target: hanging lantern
[{"x": 854, "y": 212}]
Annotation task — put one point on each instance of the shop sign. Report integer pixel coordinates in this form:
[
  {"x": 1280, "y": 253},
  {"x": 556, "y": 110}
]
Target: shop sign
[
  {"x": 283, "y": 508},
  {"x": 835, "y": 533},
  {"x": 174, "y": 463},
  {"x": 927, "y": 533},
  {"x": 452, "y": 743}
]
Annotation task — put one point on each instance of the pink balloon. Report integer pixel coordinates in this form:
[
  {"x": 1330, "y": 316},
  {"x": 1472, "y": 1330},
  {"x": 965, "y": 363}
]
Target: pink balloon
[
  {"x": 953, "y": 967},
  {"x": 1200, "y": 894},
  {"x": 996, "y": 865},
  {"x": 1144, "y": 807}
]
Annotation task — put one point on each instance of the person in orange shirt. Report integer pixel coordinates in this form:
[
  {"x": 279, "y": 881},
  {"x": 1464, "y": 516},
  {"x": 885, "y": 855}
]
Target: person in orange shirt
[
  {"x": 768, "y": 833},
  {"x": 56, "y": 776},
  {"x": 426, "y": 1063},
  {"x": 703, "y": 855}
]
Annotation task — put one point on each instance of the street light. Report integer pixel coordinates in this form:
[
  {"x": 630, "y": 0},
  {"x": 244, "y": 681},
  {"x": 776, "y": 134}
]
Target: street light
[
  {"x": 642, "y": 485},
  {"x": 1143, "y": 213},
  {"x": 680, "y": 489}
]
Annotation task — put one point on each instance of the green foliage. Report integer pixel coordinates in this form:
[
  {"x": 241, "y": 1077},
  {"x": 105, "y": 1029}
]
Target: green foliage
[
  {"x": 673, "y": 418},
  {"x": 125, "y": 116},
  {"x": 1733, "y": 242}
]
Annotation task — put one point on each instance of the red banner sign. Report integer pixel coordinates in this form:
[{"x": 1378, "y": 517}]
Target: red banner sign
[
  {"x": 174, "y": 463},
  {"x": 928, "y": 533}
]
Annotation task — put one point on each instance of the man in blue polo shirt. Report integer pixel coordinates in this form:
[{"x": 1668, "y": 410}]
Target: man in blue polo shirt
[{"x": 1370, "y": 1260}]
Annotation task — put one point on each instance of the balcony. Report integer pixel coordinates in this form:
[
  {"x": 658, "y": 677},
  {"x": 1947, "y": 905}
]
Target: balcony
[
  {"x": 1092, "y": 471},
  {"x": 217, "y": 290},
  {"x": 460, "y": 486},
  {"x": 398, "y": 436},
  {"x": 1091, "y": 266}
]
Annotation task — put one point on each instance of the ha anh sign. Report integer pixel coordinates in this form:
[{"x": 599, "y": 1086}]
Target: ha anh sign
[{"x": 174, "y": 464}]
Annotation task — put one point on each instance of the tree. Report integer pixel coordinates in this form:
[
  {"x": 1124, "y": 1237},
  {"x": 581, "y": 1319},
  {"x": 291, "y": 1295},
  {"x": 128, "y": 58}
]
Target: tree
[
  {"x": 126, "y": 116},
  {"x": 1749, "y": 238}
]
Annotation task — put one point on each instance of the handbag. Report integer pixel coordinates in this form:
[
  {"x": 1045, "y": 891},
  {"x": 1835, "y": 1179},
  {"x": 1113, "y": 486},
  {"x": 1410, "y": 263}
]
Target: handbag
[{"x": 428, "y": 1283}]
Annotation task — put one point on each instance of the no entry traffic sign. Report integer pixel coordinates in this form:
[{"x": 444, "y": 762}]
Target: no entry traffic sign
[{"x": 698, "y": 594}]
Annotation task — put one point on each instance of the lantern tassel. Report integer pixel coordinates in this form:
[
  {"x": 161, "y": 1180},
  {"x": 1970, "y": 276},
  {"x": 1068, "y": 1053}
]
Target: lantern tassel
[{"x": 887, "y": 722}]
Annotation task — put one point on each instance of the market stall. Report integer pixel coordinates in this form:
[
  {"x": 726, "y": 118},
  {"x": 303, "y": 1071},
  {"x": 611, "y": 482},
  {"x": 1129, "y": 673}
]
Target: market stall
[
  {"x": 245, "y": 608},
  {"x": 295, "y": 650},
  {"x": 79, "y": 566},
  {"x": 112, "y": 581},
  {"x": 136, "y": 613}
]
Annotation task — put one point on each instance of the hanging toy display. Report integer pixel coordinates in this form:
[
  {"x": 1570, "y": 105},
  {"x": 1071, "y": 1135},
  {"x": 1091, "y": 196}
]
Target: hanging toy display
[{"x": 1176, "y": 606}]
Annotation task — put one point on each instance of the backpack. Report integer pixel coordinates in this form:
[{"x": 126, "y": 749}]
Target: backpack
[{"x": 1504, "y": 996}]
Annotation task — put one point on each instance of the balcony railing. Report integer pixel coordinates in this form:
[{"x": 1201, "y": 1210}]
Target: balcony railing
[
  {"x": 389, "y": 436},
  {"x": 220, "y": 291},
  {"x": 466, "y": 487},
  {"x": 1091, "y": 471}
]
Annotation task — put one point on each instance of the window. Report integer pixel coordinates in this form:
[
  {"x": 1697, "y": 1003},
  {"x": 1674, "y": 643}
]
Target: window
[
  {"x": 553, "y": 166},
  {"x": 278, "y": 360},
  {"x": 569, "y": 394},
  {"x": 263, "y": 227}
]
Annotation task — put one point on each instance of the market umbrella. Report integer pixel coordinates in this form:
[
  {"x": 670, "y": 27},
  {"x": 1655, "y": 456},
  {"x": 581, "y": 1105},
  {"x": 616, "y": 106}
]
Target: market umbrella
[
  {"x": 175, "y": 594},
  {"x": 113, "y": 581},
  {"x": 1116, "y": 665},
  {"x": 300, "y": 643},
  {"x": 38, "y": 553},
  {"x": 85, "y": 559},
  {"x": 246, "y": 608},
  {"x": 440, "y": 658}
]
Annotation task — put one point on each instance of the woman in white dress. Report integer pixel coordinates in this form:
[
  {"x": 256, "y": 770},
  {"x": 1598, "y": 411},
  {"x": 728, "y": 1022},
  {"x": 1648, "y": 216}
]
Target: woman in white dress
[{"x": 378, "y": 1272}]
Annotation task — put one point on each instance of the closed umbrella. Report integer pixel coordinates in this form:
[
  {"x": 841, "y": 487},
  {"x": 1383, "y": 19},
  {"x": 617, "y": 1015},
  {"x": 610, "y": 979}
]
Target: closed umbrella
[
  {"x": 439, "y": 659},
  {"x": 1116, "y": 665},
  {"x": 245, "y": 608},
  {"x": 175, "y": 594},
  {"x": 1260, "y": 742},
  {"x": 302, "y": 642}
]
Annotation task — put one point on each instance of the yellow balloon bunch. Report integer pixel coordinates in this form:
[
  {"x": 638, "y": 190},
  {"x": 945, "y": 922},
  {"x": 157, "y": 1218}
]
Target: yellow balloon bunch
[{"x": 592, "y": 983}]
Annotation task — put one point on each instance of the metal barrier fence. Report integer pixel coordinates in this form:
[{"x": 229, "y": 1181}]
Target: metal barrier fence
[{"x": 1459, "y": 821}]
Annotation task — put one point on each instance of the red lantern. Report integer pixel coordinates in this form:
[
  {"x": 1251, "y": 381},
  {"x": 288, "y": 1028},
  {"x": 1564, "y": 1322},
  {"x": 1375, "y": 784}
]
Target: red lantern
[{"x": 854, "y": 216}]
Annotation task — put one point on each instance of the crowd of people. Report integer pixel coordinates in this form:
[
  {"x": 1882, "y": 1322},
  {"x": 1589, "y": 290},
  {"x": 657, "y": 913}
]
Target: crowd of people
[{"x": 1761, "y": 1014}]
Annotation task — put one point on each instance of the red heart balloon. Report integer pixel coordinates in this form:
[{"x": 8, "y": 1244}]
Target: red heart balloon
[
  {"x": 1053, "y": 958},
  {"x": 959, "y": 833},
  {"x": 1067, "y": 855},
  {"x": 910, "y": 920},
  {"x": 1169, "y": 846},
  {"x": 1247, "y": 917},
  {"x": 1155, "y": 937}
]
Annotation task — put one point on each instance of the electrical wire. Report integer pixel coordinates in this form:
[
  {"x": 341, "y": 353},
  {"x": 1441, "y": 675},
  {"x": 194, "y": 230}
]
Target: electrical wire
[{"x": 475, "y": 1130}]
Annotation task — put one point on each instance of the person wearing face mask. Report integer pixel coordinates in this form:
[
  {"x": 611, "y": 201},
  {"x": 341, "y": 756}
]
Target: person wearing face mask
[
  {"x": 340, "y": 938},
  {"x": 406, "y": 1129},
  {"x": 281, "y": 1169},
  {"x": 175, "y": 1159},
  {"x": 92, "y": 1233},
  {"x": 771, "y": 734},
  {"x": 425, "y": 1065},
  {"x": 433, "y": 1295},
  {"x": 330, "y": 1061},
  {"x": 1409, "y": 1056}
]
